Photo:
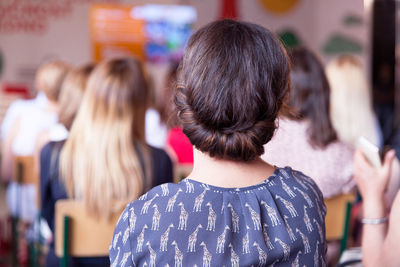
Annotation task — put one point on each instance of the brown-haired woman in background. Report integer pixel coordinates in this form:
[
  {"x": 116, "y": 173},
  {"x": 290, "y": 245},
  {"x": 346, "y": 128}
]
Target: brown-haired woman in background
[
  {"x": 105, "y": 162},
  {"x": 306, "y": 139},
  {"x": 233, "y": 208}
]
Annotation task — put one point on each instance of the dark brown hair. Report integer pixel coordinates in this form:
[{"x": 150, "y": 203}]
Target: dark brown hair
[
  {"x": 231, "y": 85},
  {"x": 309, "y": 97}
]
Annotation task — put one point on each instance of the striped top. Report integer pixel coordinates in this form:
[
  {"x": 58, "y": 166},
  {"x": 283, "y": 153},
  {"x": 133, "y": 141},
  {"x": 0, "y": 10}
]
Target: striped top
[{"x": 277, "y": 222}]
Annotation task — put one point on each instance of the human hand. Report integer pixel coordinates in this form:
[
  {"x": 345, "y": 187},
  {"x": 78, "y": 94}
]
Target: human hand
[{"x": 372, "y": 182}]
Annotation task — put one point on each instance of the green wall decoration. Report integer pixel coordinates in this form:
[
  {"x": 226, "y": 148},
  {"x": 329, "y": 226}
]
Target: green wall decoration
[
  {"x": 339, "y": 44},
  {"x": 289, "y": 38},
  {"x": 352, "y": 20}
]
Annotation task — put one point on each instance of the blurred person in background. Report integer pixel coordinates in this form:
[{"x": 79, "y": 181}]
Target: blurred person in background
[
  {"x": 51, "y": 188},
  {"x": 105, "y": 162},
  {"x": 22, "y": 138},
  {"x": 351, "y": 109},
  {"x": 380, "y": 240},
  {"x": 306, "y": 139},
  {"x": 233, "y": 208},
  {"x": 352, "y": 113}
]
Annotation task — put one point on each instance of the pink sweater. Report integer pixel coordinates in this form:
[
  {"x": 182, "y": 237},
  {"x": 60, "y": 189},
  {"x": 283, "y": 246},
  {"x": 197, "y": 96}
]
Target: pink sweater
[{"x": 331, "y": 167}]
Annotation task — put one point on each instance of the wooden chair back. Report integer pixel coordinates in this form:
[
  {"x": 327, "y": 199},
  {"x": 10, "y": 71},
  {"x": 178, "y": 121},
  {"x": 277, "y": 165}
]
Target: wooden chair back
[
  {"x": 181, "y": 171},
  {"x": 25, "y": 171},
  {"x": 79, "y": 234},
  {"x": 338, "y": 217}
]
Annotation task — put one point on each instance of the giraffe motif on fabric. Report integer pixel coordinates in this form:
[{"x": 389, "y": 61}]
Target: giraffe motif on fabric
[
  {"x": 164, "y": 238},
  {"x": 211, "y": 219},
  {"x": 165, "y": 190},
  {"x": 262, "y": 256},
  {"x": 221, "y": 241},
  {"x": 287, "y": 189},
  {"x": 206, "y": 255},
  {"x": 140, "y": 239},
  {"x": 125, "y": 216},
  {"x": 147, "y": 204},
  {"x": 315, "y": 193},
  {"x": 125, "y": 258},
  {"x": 234, "y": 257},
  {"x": 307, "y": 220},
  {"x": 285, "y": 174},
  {"x": 144, "y": 264},
  {"x": 199, "y": 200},
  {"x": 115, "y": 262},
  {"x": 289, "y": 229},
  {"x": 116, "y": 237},
  {"x": 296, "y": 262},
  {"x": 316, "y": 256},
  {"x": 271, "y": 214},
  {"x": 266, "y": 237},
  {"x": 193, "y": 238},
  {"x": 288, "y": 205},
  {"x": 183, "y": 217},
  {"x": 235, "y": 219},
  {"x": 178, "y": 255},
  {"x": 143, "y": 197},
  {"x": 285, "y": 247},
  {"x": 306, "y": 244},
  {"x": 156, "y": 219},
  {"x": 132, "y": 220},
  {"x": 171, "y": 201},
  {"x": 298, "y": 180},
  {"x": 126, "y": 236},
  {"x": 153, "y": 255},
  {"x": 305, "y": 196},
  {"x": 319, "y": 229},
  {"x": 245, "y": 242},
  {"x": 189, "y": 187},
  {"x": 255, "y": 217}
]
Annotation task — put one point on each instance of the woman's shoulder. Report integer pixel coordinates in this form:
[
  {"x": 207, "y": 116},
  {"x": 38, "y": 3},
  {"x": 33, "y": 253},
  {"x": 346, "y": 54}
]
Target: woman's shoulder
[{"x": 299, "y": 180}]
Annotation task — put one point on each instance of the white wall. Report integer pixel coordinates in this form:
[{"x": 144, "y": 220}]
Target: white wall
[{"x": 67, "y": 37}]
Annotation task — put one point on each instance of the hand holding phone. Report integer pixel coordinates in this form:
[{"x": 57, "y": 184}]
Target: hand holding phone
[{"x": 370, "y": 151}]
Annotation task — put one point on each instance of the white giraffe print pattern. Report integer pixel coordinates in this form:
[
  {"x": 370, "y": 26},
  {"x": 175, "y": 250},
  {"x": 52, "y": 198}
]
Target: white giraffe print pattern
[{"x": 277, "y": 222}]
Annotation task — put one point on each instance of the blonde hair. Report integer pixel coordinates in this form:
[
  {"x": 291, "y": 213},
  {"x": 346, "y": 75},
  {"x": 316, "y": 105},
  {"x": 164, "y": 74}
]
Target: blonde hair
[
  {"x": 351, "y": 106},
  {"x": 71, "y": 94},
  {"x": 100, "y": 161},
  {"x": 49, "y": 78}
]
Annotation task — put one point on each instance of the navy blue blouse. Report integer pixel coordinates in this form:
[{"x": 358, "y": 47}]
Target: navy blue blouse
[{"x": 277, "y": 222}]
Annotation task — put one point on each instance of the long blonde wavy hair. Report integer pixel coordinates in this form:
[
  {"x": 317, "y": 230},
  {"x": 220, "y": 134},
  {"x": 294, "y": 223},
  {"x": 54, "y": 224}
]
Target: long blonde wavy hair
[
  {"x": 351, "y": 105},
  {"x": 100, "y": 162}
]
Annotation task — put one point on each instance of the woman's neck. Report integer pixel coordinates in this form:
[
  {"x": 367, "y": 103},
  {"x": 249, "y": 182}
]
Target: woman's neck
[{"x": 228, "y": 173}]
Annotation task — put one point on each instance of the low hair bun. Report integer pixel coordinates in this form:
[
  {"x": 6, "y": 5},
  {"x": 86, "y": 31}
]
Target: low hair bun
[{"x": 230, "y": 87}]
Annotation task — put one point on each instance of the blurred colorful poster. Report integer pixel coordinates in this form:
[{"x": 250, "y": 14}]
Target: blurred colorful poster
[{"x": 156, "y": 33}]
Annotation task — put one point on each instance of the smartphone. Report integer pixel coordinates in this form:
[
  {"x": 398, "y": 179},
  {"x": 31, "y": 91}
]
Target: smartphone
[{"x": 370, "y": 151}]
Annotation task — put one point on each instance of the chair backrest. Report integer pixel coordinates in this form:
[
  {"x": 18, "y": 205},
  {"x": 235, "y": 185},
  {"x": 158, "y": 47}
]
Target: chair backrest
[
  {"x": 181, "y": 171},
  {"x": 87, "y": 236},
  {"x": 338, "y": 217},
  {"x": 25, "y": 171}
]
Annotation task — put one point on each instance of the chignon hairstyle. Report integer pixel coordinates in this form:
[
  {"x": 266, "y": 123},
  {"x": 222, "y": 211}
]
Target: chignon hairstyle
[
  {"x": 309, "y": 97},
  {"x": 351, "y": 105},
  {"x": 231, "y": 85},
  {"x": 100, "y": 162},
  {"x": 71, "y": 94}
]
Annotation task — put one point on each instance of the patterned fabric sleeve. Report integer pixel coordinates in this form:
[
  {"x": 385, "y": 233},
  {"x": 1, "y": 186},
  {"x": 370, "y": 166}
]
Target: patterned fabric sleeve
[{"x": 120, "y": 247}]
